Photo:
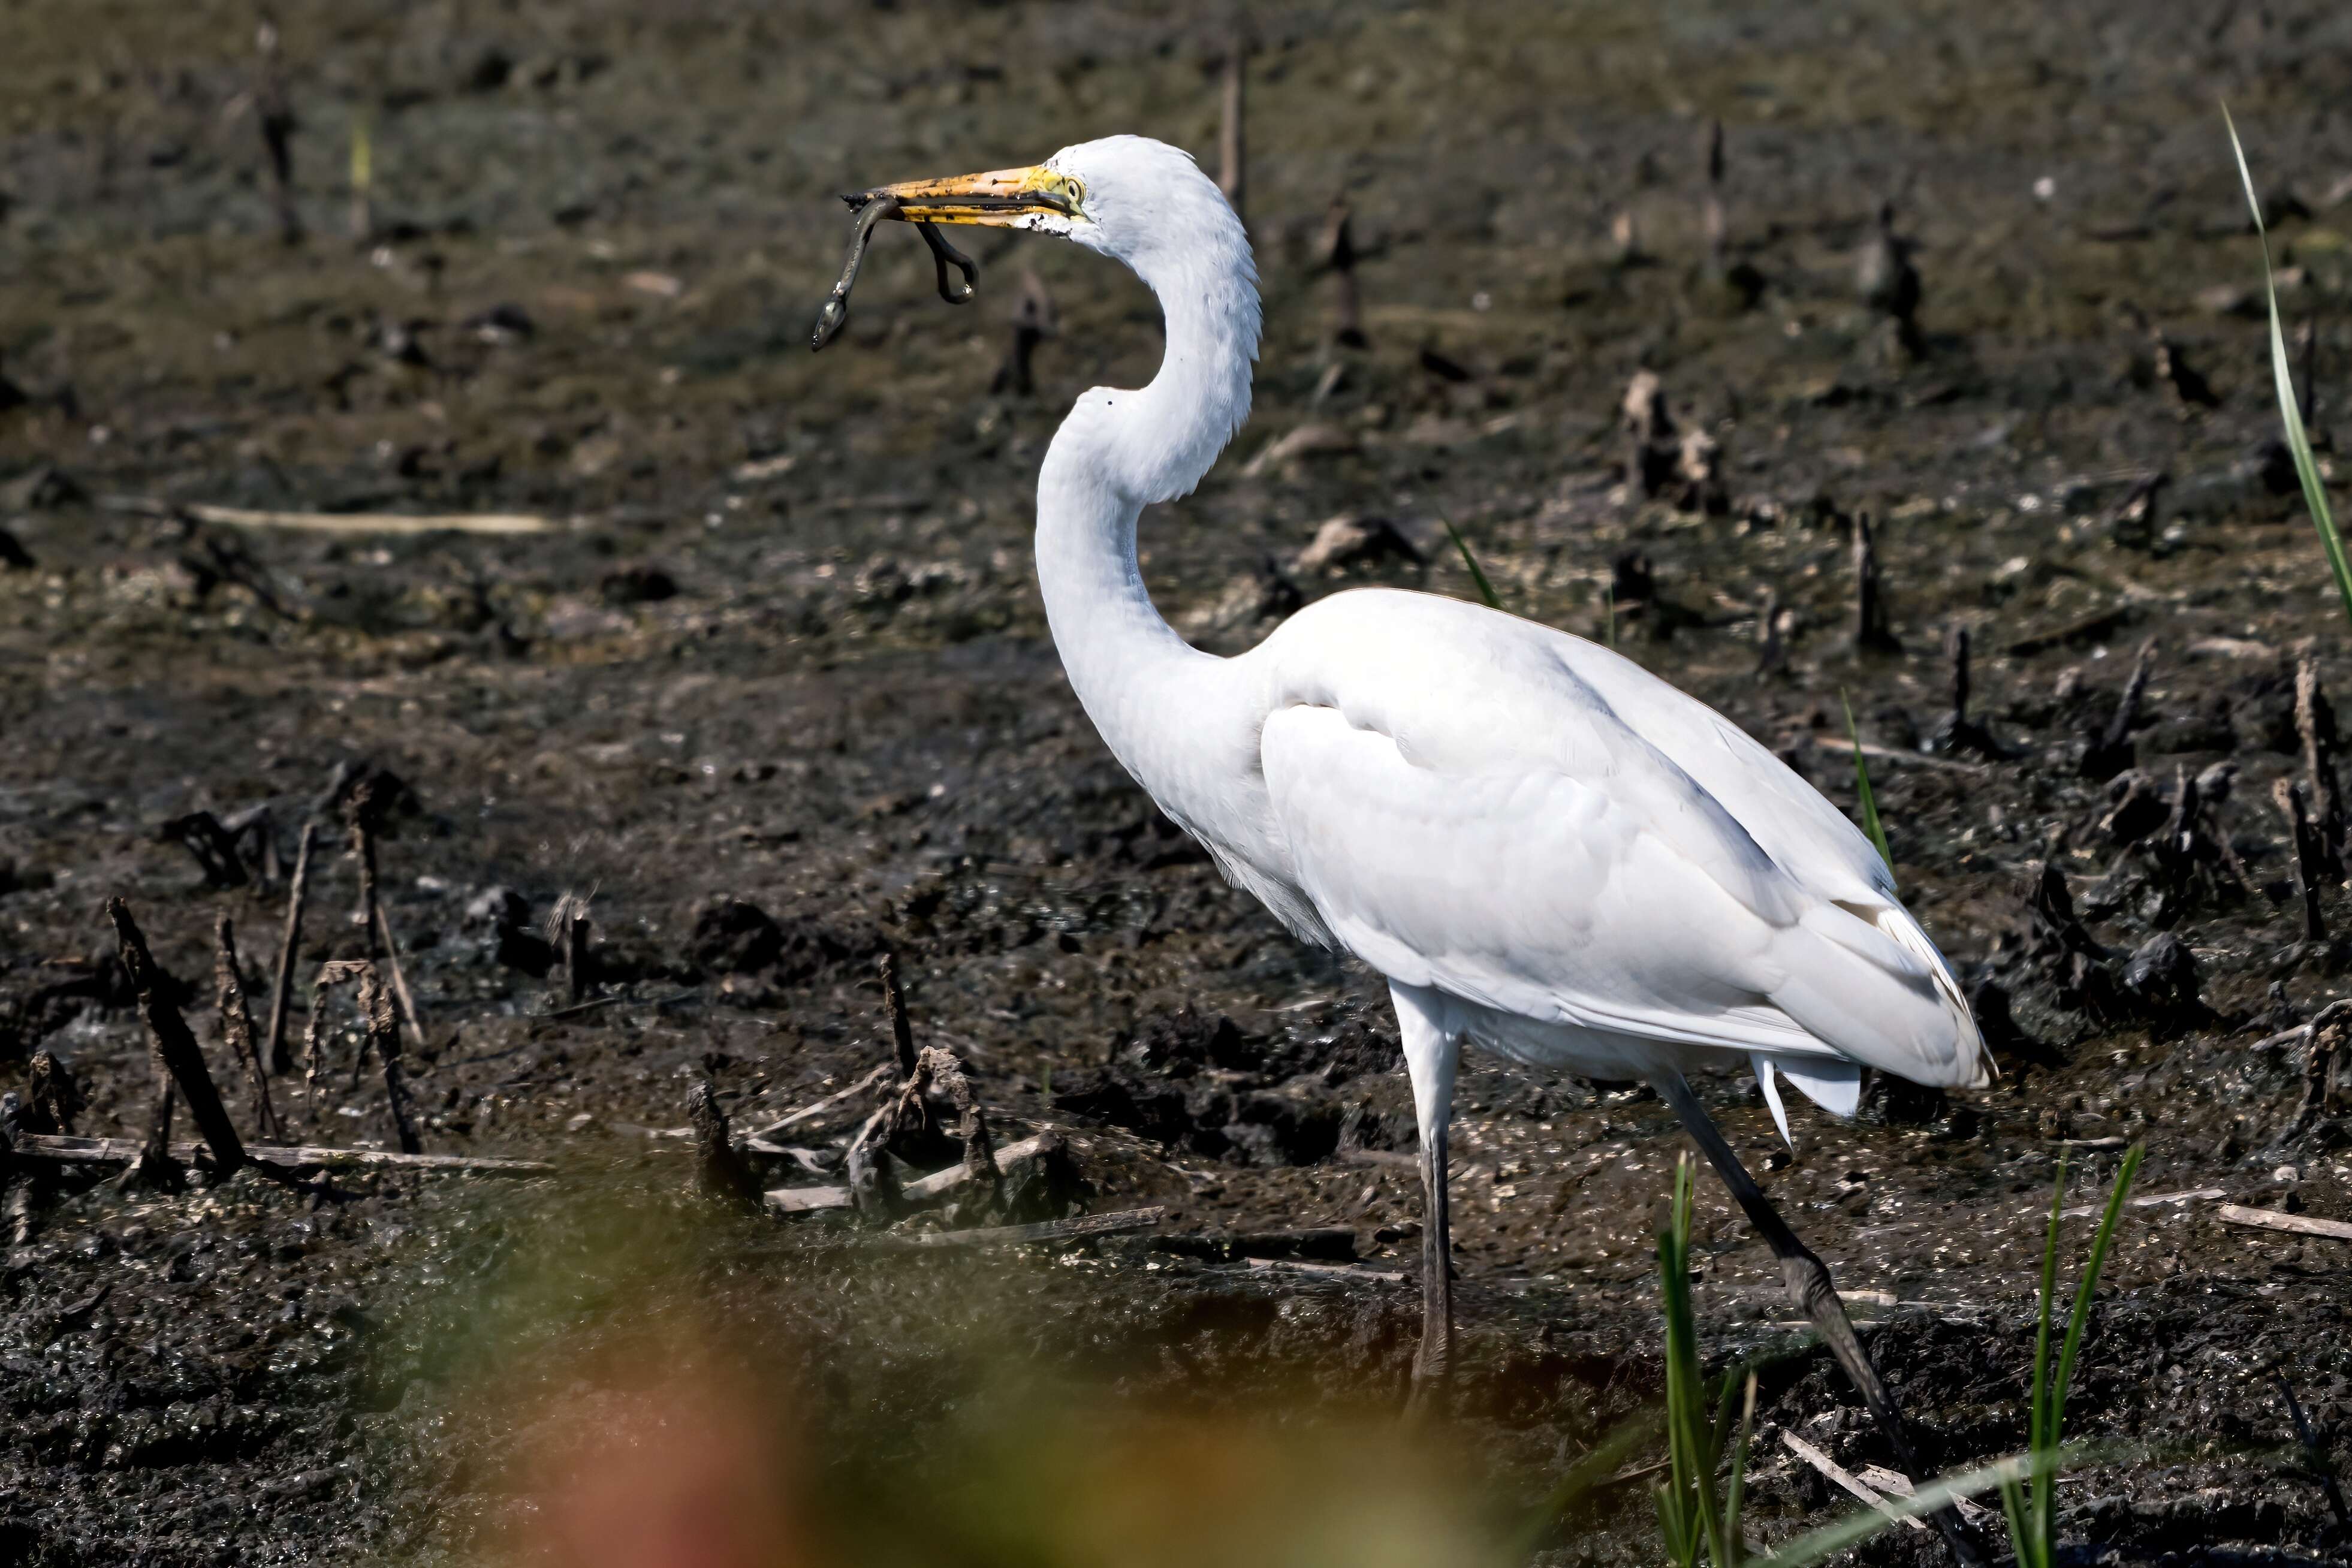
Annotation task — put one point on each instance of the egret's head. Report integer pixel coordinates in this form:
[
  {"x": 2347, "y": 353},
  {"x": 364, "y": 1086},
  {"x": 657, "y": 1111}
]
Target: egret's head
[{"x": 1126, "y": 197}]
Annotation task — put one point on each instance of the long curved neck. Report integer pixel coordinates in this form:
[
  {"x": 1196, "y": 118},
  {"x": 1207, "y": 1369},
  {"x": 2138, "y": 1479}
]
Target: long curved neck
[{"x": 1118, "y": 451}]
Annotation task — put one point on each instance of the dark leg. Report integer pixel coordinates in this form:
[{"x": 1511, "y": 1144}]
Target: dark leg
[{"x": 1809, "y": 1282}]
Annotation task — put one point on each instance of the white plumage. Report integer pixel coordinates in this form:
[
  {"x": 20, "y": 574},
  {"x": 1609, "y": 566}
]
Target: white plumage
[{"x": 1542, "y": 847}]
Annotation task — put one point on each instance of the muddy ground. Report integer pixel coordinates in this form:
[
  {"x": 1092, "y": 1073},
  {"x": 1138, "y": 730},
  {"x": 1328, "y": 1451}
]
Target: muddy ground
[{"x": 782, "y": 646}]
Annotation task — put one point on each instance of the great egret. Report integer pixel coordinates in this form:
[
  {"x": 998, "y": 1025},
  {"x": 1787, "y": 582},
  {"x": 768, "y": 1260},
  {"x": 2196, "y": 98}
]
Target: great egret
[{"x": 1542, "y": 847}]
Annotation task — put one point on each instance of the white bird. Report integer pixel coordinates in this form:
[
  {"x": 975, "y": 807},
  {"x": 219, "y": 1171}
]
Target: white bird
[{"x": 1543, "y": 847}]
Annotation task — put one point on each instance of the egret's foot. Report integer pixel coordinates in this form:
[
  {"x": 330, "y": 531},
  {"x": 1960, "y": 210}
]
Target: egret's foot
[{"x": 1809, "y": 1282}]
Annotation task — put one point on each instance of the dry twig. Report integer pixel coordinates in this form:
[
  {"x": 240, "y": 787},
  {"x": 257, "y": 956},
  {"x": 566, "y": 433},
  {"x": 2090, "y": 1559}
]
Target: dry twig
[
  {"x": 281, "y": 990},
  {"x": 119, "y": 1150},
  {"x": 236, "y": 1027},
  {"x": 175, "y": 1046},
  {"x": 2295, "y": 1224}
]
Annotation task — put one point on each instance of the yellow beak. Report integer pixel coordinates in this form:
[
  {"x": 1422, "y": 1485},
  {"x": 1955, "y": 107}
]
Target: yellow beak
[{"x": 1000, "y": 198}]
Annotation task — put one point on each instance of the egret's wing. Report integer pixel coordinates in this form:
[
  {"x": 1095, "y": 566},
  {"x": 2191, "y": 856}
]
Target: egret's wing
[{"x": 1469, "y": 806}]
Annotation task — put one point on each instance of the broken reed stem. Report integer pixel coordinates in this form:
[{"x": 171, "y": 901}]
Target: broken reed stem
[
  {"x": 2290, "y": 799},
  {"x": 1956, "y": 641},
  {"x": 719, "y": 1168},
  {"x": 1034, "y": 321},
  {"x": 1231, "y": 175},
  {"x": 894, "y": 1005},
  {"x": 1871, "y": 634},
  {"x": 939, "y": 1067},
  {"x": 575, "y": 953},
  {"x": 2112, "y": 749},
  {"x": 360, "y": 812},
  {"x": 2322, "y": 1040},
  {"x": 2315, "y": 725},
  {"x": 873, "y": 1187},
  {"x": 281, "y": 993},
  {"x": 275, "y": 116},
  {"x": 384, "y": 1034},
  {"x": 236, "y": 1028},
  {"x": 314, "y": 1036},
  {"x": 175, "y": 1044},
  {"x": 1339, "y": 251},
  {"x": 1711, "y": 224},
  {"x": 153, "y": 1165}
]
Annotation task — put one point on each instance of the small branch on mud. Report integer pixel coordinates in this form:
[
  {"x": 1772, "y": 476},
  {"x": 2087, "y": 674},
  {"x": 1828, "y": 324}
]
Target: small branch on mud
[
  {"x": 362, "y": 524},
  {"x": 1842, "y": 1476},
  {"x": 2112, "y": 751},
  {"x": 2271, "y": 1219},
  {"x": 1079, "y": 1227},
  {"x": 281, "y": 992},
  {"x": 2138, "y": 1201},
  {"x": 1895, "y": 1483},
  {"x": 819, "y": 1108},
  {"x": 938, "y": 1184},
  {"x": 176, "y": 1046},
  {"x": 236, "y": 1027},
  {"x": 297, "y": 1156},
  {"x": 2308, "y": 853},
  {"x": 719, "y": 1169}
]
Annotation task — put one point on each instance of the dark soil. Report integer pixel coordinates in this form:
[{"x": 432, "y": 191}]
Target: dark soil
[{"x": 775, "y": 695}]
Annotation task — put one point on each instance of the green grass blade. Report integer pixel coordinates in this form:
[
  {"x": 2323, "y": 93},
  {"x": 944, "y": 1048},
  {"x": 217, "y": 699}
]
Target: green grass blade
[
  {"x": 2021, "y": 1538},
  {"x": 1739, "y": 1495},
  {"x": 2041, "y": 1431},
  {"x": 1687, "y": 1427},
  {"x": 1477, "y": 572},
  {"x": 2090, "y": 1282},
  {"x": 1876, "y": 829},
  {"x": 2298, "y": 440}
]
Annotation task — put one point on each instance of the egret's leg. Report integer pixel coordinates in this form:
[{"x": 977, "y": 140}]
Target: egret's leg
[
  {"x": 1432, "y": 1047},
  {"x": 1808, "y": 1278}
]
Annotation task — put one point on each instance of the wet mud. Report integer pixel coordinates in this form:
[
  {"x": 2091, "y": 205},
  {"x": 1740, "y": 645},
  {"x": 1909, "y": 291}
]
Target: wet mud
[{"x": 771, "y": 695}]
